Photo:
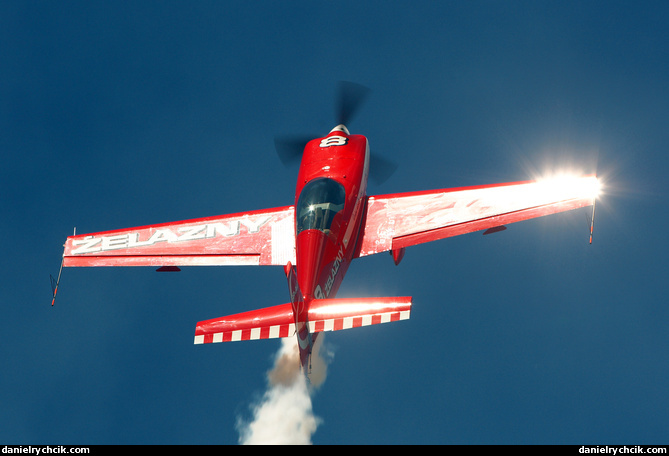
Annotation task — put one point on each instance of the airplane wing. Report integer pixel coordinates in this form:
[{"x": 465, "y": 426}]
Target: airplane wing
[
  {"x": 396, "y": 221},
  {"x": 264, "y": 237}
]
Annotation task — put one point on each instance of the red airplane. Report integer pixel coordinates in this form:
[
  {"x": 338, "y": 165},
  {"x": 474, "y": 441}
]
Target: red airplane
[{"x": 331, "y": 222}]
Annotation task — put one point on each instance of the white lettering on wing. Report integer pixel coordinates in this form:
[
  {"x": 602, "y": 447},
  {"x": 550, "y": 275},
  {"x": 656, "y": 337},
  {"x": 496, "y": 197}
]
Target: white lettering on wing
[{"x": 93, "y": 244}]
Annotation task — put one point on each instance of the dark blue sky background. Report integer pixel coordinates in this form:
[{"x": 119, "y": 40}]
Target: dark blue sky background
[{"x": 119, "y": 114}]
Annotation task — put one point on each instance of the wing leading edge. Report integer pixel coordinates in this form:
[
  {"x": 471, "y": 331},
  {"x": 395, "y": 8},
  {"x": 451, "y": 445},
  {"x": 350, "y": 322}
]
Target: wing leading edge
[
  {"x": 396, "y": 221},
  {"x": 263, "y": 237}
]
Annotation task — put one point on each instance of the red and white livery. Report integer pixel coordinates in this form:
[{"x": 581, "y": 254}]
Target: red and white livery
[{"x": 331, "y": 222}]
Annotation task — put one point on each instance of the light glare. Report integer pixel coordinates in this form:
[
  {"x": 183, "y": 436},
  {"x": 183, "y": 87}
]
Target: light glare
[{"x": 576, "y": 186}]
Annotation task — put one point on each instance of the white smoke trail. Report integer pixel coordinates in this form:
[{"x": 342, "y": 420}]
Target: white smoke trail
[{"x": 284, "y": 415}]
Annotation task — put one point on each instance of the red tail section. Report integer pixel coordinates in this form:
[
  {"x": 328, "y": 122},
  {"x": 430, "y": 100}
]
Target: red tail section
[{"x": 302, "y": 318}]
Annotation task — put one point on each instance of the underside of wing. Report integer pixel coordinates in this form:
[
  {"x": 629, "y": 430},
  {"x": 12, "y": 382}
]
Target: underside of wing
[
  {"x": 264, "y": 237},
  {"x": 401, "y": 220}
]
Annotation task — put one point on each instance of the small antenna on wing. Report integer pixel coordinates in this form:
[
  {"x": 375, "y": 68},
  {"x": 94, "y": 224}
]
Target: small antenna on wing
[
  {"x": 592, "y": 221},
  {"x": 55, "y": 282}
]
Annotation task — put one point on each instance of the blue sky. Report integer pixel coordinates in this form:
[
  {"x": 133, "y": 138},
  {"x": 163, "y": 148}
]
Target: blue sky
[{"x": 120, "y": 114}]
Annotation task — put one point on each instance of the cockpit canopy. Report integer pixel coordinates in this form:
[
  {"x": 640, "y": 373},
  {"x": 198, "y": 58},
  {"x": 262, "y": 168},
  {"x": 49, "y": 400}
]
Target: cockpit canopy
[{"x": 320, "y": 200}]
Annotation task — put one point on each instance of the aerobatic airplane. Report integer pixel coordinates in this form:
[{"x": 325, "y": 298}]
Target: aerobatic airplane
[{"x": 331, "y": 222}]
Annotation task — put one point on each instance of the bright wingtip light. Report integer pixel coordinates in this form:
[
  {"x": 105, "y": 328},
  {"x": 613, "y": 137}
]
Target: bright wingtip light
[
  {"x": 598, "y": 187},
  {"x": 576, "y": 186}
]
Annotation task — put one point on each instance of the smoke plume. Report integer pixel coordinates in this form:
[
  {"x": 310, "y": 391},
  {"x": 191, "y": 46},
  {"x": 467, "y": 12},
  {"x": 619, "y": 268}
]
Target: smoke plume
[{"x": 284, "y": 415}]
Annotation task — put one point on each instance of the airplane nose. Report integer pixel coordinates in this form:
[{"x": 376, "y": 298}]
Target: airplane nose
[{"x": 340, "y": 127}]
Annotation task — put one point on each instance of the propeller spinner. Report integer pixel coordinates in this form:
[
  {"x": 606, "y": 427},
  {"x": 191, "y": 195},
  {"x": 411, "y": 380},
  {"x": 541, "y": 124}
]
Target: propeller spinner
[{"x": 350, "y": 97}]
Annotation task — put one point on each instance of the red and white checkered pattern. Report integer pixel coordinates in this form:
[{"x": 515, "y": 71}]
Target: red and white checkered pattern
[{"x": 327, "y": 315}]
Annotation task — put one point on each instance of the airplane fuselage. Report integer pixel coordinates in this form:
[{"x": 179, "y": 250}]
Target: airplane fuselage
[{"x": 329, "y": 204}]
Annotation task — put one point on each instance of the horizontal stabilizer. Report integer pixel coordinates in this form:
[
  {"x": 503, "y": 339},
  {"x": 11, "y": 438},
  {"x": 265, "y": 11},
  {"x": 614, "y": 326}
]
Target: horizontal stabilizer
[
  {"x": 335, "y": 314},
  {"x": 267, "y": 323},
  {"x": 324, "y": 315}
]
